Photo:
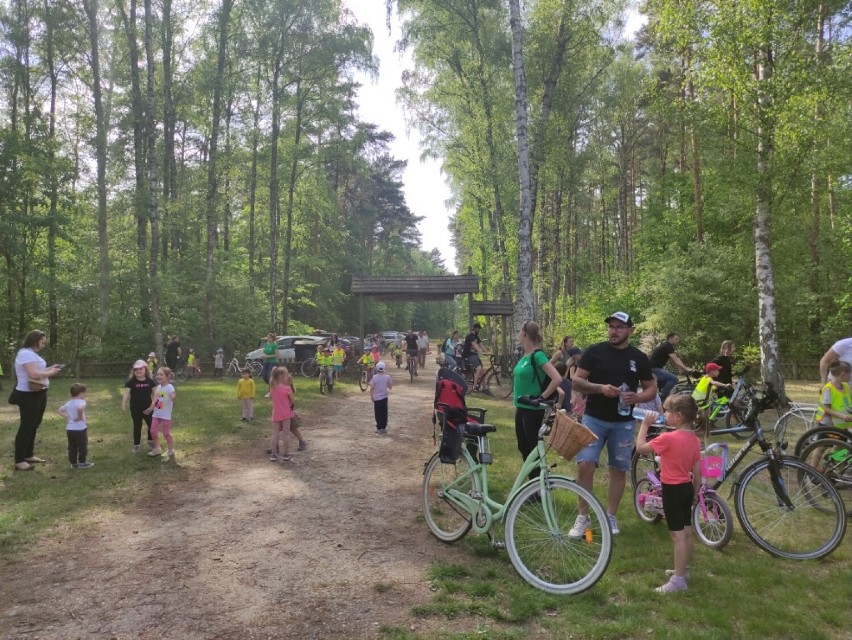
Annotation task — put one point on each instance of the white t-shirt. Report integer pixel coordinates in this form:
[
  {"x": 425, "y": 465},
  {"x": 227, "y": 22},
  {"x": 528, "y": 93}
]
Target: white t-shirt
[
  {"x": 843, "y": 349},
  {"x": 423, "y": 341},
  {"x": 24, "y": 357},
  {"x": 70, "y": 410},
  {"x": 380, "y": 382},
  {"x": 163, "y": 402}
]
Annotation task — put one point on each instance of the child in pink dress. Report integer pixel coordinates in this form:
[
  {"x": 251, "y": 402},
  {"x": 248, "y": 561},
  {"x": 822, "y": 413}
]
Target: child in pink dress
[{"x": 281, "y": 394}]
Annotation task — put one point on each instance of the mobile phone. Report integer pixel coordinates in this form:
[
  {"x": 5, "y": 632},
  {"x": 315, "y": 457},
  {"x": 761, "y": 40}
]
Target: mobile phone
[{"x": 61, "y": 366}]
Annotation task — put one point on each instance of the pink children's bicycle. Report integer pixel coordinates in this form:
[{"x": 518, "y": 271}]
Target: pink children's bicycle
[{"x": 711, "y": 518}]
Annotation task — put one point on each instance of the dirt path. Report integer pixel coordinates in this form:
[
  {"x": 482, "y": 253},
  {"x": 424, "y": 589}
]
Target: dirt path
[{"x": 332, "y": 545}]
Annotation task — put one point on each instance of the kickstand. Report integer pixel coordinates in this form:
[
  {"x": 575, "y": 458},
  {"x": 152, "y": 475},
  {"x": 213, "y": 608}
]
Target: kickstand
[{"x": 496, "y": 544}]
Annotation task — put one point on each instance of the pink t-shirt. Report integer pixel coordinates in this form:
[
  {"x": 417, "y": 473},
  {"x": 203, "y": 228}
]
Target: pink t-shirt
[
  {"x": 282, "y": 399},
  {"x": 679, "y": 450}
]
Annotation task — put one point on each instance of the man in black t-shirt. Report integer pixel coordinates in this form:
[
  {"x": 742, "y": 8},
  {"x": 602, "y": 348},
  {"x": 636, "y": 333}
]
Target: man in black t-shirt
[
  {"x": 172, "y": 352},
  {"x": 470, "y": 352},
  {"x": 609, "y": 373},
  {"x": 660, "y": 357},
  {"x": 411, "y": 349}
]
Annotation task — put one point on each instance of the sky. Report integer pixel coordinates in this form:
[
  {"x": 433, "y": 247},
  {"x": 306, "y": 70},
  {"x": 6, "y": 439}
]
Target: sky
[{"x": 425, "y": 188}]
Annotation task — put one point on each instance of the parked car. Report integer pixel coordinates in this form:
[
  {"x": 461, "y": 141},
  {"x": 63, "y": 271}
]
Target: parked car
[{"x": 290, "y": 348}]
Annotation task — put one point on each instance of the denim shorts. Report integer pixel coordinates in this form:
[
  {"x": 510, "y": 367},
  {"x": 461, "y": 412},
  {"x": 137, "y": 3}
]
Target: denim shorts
[{"x": 618, "y": 438}]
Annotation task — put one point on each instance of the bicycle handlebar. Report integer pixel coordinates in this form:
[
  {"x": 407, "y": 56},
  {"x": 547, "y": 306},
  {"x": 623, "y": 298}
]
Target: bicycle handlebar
[{"x": 537, "y": 401}]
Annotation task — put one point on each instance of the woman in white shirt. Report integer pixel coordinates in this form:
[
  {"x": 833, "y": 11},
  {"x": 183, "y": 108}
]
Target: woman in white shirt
[{"x": 33, "y": 377}]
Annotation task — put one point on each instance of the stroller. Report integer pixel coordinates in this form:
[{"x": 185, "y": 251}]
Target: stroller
[{"x": 452, "y": 413}]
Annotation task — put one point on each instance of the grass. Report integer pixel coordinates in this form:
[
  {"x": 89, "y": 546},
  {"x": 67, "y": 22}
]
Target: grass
[{"x": 738, "y": 592}]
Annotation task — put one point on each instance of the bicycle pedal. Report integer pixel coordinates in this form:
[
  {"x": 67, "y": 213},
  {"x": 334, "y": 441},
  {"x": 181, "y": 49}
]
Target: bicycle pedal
[{"x": 498, "y": 544}]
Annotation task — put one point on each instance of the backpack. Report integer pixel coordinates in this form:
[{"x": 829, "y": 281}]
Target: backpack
[{"x": 451, "y": 412}]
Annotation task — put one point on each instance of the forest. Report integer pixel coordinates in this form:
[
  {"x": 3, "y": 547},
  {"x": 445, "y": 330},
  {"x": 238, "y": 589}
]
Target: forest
[{"x": 199, "y": 168}]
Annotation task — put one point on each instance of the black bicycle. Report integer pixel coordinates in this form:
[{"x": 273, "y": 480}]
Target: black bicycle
[{"x": 786, "y": 507}]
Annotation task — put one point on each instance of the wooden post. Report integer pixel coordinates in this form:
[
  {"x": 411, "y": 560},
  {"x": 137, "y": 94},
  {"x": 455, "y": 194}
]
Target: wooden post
[{"x": 361, "y": 334}]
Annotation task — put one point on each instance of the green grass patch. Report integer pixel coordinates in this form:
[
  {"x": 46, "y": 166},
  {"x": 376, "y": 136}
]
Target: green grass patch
[{"x": 740, "y": 591}]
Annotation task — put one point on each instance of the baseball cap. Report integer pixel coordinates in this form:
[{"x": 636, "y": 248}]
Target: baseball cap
[
  {"x": 380, "y": 366},
  {"x": 620, "y": 315},
  {"x": 712, "y": 366},
  {"x": 139, "y": 364}
]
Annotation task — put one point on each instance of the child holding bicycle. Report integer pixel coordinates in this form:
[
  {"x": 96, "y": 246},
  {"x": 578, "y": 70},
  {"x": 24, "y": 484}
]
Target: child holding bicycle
[
  {"x": 680, "y": 474},
  {"x": 246, "y": 391},
  {"x": 835, "y": 408}
]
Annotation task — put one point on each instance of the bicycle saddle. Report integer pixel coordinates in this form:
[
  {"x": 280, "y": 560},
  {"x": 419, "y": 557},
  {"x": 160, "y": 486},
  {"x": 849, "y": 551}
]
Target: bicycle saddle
[{"x": 476, "y": 429}]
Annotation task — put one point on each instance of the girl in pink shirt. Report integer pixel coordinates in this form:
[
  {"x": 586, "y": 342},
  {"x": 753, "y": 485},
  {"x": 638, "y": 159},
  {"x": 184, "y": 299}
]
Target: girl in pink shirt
[
  {"x": 680, "y": 473},
  {"x": 281, "y": 393}
]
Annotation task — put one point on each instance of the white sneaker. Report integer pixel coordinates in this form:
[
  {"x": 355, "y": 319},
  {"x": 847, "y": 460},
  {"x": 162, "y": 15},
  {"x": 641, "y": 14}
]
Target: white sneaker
[
  {"x": 579, "y": 528},
  {"x": 155, "y": 452},
  {"x": 613, "y": 524},
  {"x": 135, "y": 448}
]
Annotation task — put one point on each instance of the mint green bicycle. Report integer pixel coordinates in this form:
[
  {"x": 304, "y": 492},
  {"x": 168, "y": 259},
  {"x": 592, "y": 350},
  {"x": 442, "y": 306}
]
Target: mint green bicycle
[{"x": 538, "y": 514}]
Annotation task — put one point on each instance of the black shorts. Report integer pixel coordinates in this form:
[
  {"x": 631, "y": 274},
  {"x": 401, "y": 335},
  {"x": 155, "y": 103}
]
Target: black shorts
[
  {"x": 473, "y": 361},
  {"x": 677, "y": 504}
]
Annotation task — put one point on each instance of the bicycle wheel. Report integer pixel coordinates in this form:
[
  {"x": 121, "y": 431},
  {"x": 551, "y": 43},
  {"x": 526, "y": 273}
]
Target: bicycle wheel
[
  {"x": 793, "y": 425},
  {"x": 180, "y": 375},
  {"x": 233, "y": 371},
  {"x": 256, "y": 368},
  {"x": 833, "y": 459},
  {"x": 310, "y": 368},
  {"x": 714, "y": 524},
  {"x": 809, "y": 529},
  {"x": 820, "y": 433},
  {"x": 362, "y": 381},
  {"x": 499, "y": 385},
  {"x": 411, "y": 369},
  {"x": 640, "y": 465},
  {"x": 547, "y": 557},
  {"x": 323, "y": 380},
  {"x": 647, "y": 515},
  {"x": 447, "y": 521}
]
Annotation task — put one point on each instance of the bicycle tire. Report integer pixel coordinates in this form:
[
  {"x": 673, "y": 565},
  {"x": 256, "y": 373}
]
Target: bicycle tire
[
  {"x": 818, "y": 434},
  {"x": 713, "y": 527},
  {"x": 647, "y": 516},
  {"x": 180, "y": 375},
  {"x": 233, "y": 372},
  {"x": 551, "y": 560},
  {"x": 411, "y": 370},
  {"x": 323, "y": 381},
  {"x": 447, "y": 521},
  {"x": 499, "y": 385},
  {"x": 309, "y": 368},
  {"x": 362, "y": 381},
  {"x": 640, "y": 465},
  {"x": 791, "y": 426},
  {"x": 827, "y": 456},
  {"x": 812, "y": 529},
  {"x": 256, "y": 368}
]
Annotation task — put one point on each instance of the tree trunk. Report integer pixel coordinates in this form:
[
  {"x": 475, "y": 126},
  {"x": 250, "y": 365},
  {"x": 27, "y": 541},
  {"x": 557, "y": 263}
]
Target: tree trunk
[
  {"x": 53, "y": 311},
  {"x": 255, "y": 136},
  {"x": 523, "y": 296},
  {"x": 291, "y": 190},
  {"x": 212, "y": 178},
  {"x": 274, "y": 206},
  {"x": 767, "y": 318},
  {"x": 104, "y": 276}
]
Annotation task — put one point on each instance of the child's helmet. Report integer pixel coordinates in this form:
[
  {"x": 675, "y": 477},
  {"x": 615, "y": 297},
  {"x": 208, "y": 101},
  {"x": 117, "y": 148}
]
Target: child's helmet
[{"x": 152, "y": 355}]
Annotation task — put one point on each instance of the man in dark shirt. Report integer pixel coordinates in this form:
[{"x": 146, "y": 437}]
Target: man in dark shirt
[
  {"x": 411, "y": 349},
  {"x": 609, "y": 373},
  {"x": 660, "y": 357},
  {"x": 172, "y": 352},
  {"x": 470, "y": 352}
]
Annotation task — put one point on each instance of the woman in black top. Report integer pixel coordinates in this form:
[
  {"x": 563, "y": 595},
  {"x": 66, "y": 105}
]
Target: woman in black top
[{"x": 726, "y": 375}]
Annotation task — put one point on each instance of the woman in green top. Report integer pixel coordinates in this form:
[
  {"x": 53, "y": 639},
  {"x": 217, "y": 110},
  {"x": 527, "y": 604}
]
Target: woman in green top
[
  {"x": 270, "y": 350},
  {"x": 532, "y": 370}
]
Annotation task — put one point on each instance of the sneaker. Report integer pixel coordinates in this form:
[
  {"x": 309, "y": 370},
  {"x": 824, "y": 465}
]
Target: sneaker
[
  {"x": 170, "y": 453},
  {"x": 672, "y": 586},
  {"x": 285, "y": 458},
  {"x": 579, "y": 528},
  {"x": 384, "y": 432},
  {"x": 150, "y": 445},
  {"x": 85, "y": 465},
  {"x": 135, "y": 449},
  {"x": 379, "y": 431},
  {"x": 266, "y": 396},
  {"x": 273, "y": 458},
  {"x": 303, "y": 445},
  {"x": 670, "y": 573},
  {"x": 613, "y": 524},
  {"x": 155, "y": 452}
]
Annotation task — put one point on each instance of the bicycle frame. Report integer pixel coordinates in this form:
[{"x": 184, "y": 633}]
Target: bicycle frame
[{"x": 485, "y": 509}]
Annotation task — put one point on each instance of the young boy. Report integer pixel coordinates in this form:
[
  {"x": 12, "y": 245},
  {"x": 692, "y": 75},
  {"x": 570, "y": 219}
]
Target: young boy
[
  {"x": 835, "y": 408},
  {"x": 701, "y": 393},
  {"x": 380, "y": 386},
  {"x": 246, "y": 391},
  {"x": 74, "y": 411}
]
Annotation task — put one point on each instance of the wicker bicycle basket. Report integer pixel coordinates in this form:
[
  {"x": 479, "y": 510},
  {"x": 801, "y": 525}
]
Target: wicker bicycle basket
[{"x": 568, "y": 436}]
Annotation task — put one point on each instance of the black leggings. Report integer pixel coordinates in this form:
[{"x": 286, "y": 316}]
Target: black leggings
[
  {"x": 138, "y": 417},
  {"x": 527, "y": 425},
  {"x": 31, "y": 406}
]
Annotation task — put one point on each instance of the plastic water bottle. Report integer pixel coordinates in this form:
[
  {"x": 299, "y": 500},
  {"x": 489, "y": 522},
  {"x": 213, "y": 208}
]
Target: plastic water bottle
[{"x": 623, "y": 407}]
